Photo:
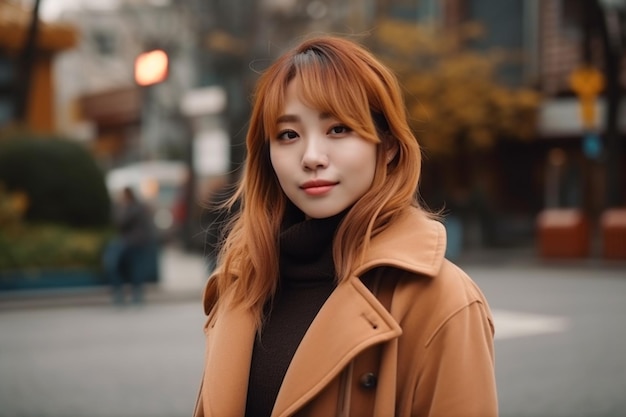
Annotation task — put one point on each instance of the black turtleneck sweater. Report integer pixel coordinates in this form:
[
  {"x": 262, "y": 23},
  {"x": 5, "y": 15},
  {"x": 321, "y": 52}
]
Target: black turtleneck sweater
[{"x": 307, "y": 277}]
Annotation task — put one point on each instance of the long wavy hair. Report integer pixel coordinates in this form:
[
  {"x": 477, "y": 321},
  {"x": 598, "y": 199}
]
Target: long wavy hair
[{"x": 342, "y": 78}]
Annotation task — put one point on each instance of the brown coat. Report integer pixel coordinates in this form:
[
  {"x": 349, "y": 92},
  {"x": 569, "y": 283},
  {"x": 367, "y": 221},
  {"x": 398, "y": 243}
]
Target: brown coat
[{"x": 430, "y": 355}]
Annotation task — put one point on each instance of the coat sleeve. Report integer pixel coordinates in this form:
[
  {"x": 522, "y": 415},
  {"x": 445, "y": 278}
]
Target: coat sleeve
[{"x": 458, "y": 376}]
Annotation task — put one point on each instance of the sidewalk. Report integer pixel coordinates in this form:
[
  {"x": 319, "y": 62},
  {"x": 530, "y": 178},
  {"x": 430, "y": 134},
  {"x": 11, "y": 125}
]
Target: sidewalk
[
  {"x": 528, "y": 257},
  {"x": 184, "y": 274},
  {"x": 182, "y": 278}
]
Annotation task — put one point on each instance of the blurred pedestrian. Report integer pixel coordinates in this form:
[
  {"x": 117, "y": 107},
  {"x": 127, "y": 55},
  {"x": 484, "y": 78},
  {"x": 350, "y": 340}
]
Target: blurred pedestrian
[
  {"x": 128, "y": 256},
  {"x": 332, "y": 296}
]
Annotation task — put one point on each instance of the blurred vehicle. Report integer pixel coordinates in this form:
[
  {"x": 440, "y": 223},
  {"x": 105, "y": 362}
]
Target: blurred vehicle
[{"x": 160, "y": 184}]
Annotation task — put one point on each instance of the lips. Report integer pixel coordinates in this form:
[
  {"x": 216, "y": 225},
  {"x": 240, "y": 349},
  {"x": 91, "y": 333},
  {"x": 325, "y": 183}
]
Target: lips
[{"x": 317, "y": 187}]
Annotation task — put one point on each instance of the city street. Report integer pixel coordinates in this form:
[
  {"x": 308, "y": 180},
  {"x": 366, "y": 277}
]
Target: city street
[
  {"x": 560, "y": 339},
  {"x": 145, "y": 142},
  {"x": 561, "y": 346},
  {"x": 101, "y": 361}
]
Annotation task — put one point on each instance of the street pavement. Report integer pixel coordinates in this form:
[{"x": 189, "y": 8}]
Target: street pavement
[
  {"x": 560, "y": 339},
  {"x": 182, "y": 276},
  {"x": 560, "y": 342}
]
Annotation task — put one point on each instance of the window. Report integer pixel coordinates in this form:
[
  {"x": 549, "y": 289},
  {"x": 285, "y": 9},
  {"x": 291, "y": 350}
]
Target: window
[
  {"x": 572, "y": 17},
  {"x": 104, "y": 42}
]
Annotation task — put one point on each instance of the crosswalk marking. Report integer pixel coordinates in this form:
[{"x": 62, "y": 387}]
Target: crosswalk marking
[{"x": 510, "y": 324}]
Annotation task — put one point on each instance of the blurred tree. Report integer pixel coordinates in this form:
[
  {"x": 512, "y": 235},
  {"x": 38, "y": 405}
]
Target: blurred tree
[
  {"x": 457, "y": 106},
  {"x": 59, "y": 178}
]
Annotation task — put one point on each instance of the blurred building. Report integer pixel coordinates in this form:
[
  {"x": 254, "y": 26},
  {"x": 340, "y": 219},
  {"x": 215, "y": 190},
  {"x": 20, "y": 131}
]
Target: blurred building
[
  {"x": 51, "y": 39},
  {"x": 226, "y": 44},
  {"x": 99, "y": 98},
  {"x": 573, "y": 36},
  {"x": 571, "y": 163}
]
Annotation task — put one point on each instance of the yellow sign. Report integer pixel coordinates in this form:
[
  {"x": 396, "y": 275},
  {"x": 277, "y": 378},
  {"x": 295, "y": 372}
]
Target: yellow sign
[{"x": 587, "y": 82}]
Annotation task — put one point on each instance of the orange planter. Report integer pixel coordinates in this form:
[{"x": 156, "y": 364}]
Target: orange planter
[
  {"x": 613, "y": 226},
  {"x": 563, "y": 233}
]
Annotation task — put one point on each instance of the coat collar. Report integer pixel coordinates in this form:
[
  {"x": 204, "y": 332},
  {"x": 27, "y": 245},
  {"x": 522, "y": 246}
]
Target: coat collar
[{"x": 412, "y": 242}]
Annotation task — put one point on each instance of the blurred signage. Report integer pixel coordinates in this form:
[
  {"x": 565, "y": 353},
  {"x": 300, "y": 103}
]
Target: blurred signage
[
  {"x": 592, "y": 145},
  {"x": 561, "y": 117},
  {"x": 117, "y": 106},
  {"x": 587, "y": 82},
  {"x": 203, "y": 101},
  {"x": 211, "y": 152}
]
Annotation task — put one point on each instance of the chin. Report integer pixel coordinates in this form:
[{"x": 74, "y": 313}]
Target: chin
[{"x": 320, "y": 214}]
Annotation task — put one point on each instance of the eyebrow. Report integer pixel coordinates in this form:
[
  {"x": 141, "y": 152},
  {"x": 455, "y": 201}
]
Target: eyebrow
[
  {"x": 292, "y": 118},
  {"x": 287, "y": 118}
]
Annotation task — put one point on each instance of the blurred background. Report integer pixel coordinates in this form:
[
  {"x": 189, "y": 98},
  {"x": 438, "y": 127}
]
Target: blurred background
[{"x": 518, "y": 106}]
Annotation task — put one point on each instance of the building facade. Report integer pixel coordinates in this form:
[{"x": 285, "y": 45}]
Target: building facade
[
  {"x": 229, "y": 43},
  {"x": 52, "y": 39}
]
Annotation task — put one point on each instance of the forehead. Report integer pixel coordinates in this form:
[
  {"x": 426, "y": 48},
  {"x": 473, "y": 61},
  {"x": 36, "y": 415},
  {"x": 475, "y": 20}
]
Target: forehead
[
  {"x": 325, "y": 88},
  {"x": 299, "y": 96},
  {"x": 295, "y": 100}
]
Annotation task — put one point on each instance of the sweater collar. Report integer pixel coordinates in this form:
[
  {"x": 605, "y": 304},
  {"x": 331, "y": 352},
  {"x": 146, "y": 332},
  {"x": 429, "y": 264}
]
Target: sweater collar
[
  {"x": 412, "y": 242},
  {"x": 306, "y": 248}
]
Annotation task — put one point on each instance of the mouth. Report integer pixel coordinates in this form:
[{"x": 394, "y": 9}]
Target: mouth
[{"x": 317, "y": 187}]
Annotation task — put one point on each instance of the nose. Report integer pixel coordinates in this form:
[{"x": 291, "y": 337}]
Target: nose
[{"x": 315, "y": 155}]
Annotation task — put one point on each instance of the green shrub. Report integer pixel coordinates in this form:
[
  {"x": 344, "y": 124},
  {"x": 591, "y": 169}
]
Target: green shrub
[
  {"x": 46, "y": 246},
  {"x": 12, "y": 208},
  {"x": 61, "y": 179}
]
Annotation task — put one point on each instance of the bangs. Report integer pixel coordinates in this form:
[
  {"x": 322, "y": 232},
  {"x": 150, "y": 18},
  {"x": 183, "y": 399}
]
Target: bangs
[{"x": 326, "y": 84}]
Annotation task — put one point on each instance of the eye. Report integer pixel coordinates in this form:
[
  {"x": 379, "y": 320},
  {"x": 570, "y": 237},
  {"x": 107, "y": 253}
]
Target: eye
[
  {"x": 286, "y": 135},
  {"x": 339, "y": 130}
]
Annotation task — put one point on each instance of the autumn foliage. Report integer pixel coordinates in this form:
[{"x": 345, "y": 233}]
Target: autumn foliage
[{"x": 453, "y": 93}]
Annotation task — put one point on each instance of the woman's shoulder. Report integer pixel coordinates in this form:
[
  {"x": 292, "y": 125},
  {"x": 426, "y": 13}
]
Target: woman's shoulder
[
  {"x": 451, "y": 286},
  {"x": 457, "y": 285},
  {"x": 424, "y": 304}
]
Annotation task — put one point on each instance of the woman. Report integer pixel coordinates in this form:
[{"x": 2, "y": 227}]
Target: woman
[{"x": 332, "y": 296}]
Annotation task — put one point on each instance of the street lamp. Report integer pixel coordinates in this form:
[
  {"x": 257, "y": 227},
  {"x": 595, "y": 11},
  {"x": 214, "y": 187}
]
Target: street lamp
[{"x": 151, "y": 67}]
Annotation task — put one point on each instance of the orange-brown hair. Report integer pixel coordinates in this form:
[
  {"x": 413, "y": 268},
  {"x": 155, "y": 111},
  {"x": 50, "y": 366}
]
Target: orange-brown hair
[{"x": 342, "y": 78}]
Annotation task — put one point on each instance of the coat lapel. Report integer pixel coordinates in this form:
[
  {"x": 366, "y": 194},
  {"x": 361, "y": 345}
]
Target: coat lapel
[
  {"x": 229, "y": 351},
  {"x": 350, "y": 321},
  {"x": 412, "y": 242}
]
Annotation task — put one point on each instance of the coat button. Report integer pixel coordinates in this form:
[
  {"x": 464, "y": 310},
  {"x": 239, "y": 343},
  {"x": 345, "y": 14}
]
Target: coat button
[{"x": 368, "y": 380}]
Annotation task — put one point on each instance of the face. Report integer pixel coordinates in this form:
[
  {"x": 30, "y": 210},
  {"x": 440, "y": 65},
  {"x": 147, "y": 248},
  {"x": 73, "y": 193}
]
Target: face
[{"x": 322, "y": 165}]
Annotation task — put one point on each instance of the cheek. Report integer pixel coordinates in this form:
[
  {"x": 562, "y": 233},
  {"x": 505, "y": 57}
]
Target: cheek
[
  {"x": 364, "y": 162},
  {"x": 278, "y": 163},
  {"x": 370, "y": 171},
  {"x": 370, "y": 168}
]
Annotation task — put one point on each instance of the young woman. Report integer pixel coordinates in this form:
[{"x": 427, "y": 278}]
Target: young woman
[{"x": 332, "y": 296}]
